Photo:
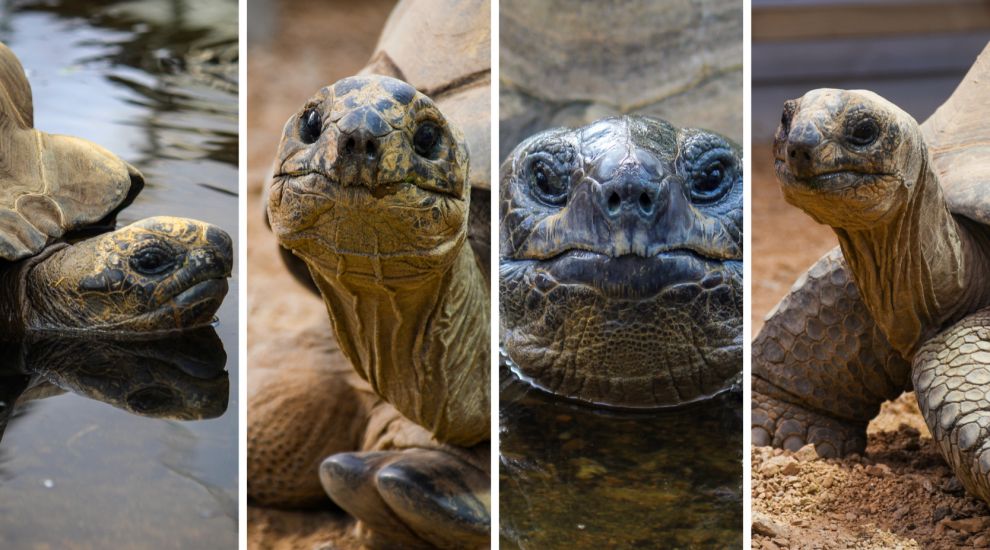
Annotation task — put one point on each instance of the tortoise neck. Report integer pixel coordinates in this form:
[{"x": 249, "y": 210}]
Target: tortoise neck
[
  {"x": 422, "y": 343},
  {"x": 918, "y": 271},
  {"x": 15, "y": 306}
]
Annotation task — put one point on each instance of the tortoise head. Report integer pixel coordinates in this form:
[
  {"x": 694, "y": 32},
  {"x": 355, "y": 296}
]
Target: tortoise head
[
  {"x": 367, "y": 169},
  {"x": 849, "y": 158},
  {"x": 158, "y": 274},
  {"x": 621, "y": 249}
]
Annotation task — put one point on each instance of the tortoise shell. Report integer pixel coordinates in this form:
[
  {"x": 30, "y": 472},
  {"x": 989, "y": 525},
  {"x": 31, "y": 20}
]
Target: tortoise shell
[{"x": 50, "y": 184}]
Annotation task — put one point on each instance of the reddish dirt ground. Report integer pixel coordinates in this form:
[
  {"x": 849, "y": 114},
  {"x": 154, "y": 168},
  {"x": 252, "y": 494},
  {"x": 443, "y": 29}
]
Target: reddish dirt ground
[
  {"x": 316, "y": 44},
  {"x": 900, "y": 494}
]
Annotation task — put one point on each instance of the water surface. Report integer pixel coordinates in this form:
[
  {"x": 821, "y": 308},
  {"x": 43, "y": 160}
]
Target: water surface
[
  {"x": 578, "y": 478},
  {"x": 156, "y": 83}
]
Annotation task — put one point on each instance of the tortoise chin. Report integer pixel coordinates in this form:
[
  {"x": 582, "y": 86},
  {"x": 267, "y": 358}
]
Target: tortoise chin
[
  {"x": 849, "y": 199},
  {"x": 625, "y": 332}
]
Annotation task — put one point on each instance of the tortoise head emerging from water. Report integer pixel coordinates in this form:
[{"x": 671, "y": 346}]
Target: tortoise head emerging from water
[
  {"x": 849, "y": 158},
  {"x": 621, "y": 262},
  {"x": 158, "y": 274},
  {"x": 369, "y": 169}
]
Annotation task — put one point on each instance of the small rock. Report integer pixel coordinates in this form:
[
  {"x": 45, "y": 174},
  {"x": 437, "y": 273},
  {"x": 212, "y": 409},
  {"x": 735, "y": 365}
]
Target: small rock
[
  {"x": 766, "y": 526},
  {"x": 878, "y": 470},
  {"x": 941, "y": 513},
  {"x": 806, "y": 453},
  {"x": 982, "y": 541},
  {"x": 768, "y": 545},
  {"x": 791, "y": 469},
  {"x": 851, "y": 516},
  {"x": 776, "y": 464},
  {"x": 968, "y": 525},
  {"x": 901, "y": 512}
]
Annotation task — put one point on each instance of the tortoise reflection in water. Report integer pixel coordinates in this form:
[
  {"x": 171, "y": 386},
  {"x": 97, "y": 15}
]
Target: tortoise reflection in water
[{"x": 179, "y": 377}]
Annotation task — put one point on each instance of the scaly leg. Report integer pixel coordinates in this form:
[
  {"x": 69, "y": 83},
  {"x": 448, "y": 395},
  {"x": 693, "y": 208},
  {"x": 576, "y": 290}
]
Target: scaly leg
[
  {"x": 821, "y": 366},
  {"x": 951, "y": 375}
]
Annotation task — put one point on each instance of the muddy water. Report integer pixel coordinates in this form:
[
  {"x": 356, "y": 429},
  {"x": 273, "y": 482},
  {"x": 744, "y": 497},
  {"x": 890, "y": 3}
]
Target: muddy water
[
  {"x": 573, "y": 477},
  {"x": 134, "y": 446}
]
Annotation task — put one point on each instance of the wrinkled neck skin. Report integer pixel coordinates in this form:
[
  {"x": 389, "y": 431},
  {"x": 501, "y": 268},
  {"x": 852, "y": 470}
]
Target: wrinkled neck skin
[
  {"x": 920, "y": 269},
  {"x": 15, "y": 307},
  {"x": 422, "y": 341}
]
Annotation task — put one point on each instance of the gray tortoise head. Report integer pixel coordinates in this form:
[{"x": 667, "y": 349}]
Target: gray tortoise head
[{"x": 621, "y": 262}]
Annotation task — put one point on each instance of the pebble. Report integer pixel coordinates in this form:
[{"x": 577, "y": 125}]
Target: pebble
[
  {"x": 878, "y": 470},
  {"x": 766, "y": 526},
  {"x": 776, "y": 464},
  {"x": 806, "y": 453},
  {"x": 968, "y": 525}
]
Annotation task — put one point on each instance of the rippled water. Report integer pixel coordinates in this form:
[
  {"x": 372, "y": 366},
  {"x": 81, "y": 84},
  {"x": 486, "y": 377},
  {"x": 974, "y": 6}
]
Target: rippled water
[
  {"x": 133, "y": 447},
  {"x": 578, "y": 478}
]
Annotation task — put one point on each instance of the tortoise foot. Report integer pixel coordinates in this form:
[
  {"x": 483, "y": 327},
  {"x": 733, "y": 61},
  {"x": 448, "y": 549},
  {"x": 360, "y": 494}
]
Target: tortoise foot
[
  {"x": 789, "y": 426},
  {"x": 412, "y": 498}
]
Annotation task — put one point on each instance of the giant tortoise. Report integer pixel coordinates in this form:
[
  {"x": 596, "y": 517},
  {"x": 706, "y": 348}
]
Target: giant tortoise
[
  {"x": 56, "y": 191},
  {"x": 374, "y": 203},
  {"x": 903, "y": 301}
]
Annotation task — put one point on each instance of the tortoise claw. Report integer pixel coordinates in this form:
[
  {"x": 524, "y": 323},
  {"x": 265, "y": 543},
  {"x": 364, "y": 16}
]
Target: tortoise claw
[{"x": 412, "y": 498}]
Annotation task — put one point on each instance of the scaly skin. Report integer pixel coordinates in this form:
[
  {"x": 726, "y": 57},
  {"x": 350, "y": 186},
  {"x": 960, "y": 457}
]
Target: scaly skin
[
  {"x": 821, "y": 366},
  {"x": 856, "y": 162},
  {"x": 620, "y": 271},
  {"x": 158, "y": 274},
  {"x": 371, "y": 190},
  {"x": 951, "y": 376}
]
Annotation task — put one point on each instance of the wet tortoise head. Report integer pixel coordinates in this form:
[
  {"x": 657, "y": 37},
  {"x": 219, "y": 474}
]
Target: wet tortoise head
[
  {"x": 157, "y": 274},
  {"x": 849, "y": 158},
  {"x": 369, "y": 168},
  {"x": 621, "y": 249}
]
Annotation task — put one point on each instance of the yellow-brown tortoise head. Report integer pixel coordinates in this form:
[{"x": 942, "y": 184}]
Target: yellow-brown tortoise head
[
  {"x": 157, "y": 274},
  {"x": 369, "y": 168}
]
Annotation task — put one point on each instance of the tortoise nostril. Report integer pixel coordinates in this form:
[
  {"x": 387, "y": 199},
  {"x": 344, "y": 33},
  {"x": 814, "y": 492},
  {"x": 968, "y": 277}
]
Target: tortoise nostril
[
  {"x": 349, "y": 145},
  {"x": 792, "y": 154},
  {"x": 613, "y": 202},
  {"x": 371, "y": 150},
  {"x": 806, "y": 155},
  {"x": 645, "y": 203}
]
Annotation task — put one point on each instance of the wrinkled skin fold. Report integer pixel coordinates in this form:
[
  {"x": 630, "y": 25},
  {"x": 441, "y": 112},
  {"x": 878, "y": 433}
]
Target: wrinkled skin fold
[
  {"x": 621, "y": 262},
  {"x": 896, "y": 306}
]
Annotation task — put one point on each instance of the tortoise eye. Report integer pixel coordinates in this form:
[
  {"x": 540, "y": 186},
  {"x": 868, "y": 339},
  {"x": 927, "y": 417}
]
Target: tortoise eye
[
  {"x": 310, "y": 126},
  {"x": 550, "y": 188},
  {"x": 152, "y": 260},
  {"x": 864, "y": 132},
  {"x": 711, "y": 175},
  {"x": 425, "y": 139}
]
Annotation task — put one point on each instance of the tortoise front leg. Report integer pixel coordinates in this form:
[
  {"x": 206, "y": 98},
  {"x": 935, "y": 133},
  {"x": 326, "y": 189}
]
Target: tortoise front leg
[
  {"x": 821, "y": 366},
  {"x": 951, "y": 375},
  {"x": 411, "y": 498}
]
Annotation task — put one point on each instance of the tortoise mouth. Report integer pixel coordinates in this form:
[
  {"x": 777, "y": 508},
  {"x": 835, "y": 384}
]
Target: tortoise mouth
[
  {"x": 636, "y": 277},
  {"x": 829, "y": 179},
  {"x": 193, "y": 307},
  {"x": 320, "y": 184}
]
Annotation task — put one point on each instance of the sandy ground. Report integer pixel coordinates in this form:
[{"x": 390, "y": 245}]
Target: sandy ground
[
  {"x": 900, "y": 494},
  {"x": 316, "y": 44}
]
